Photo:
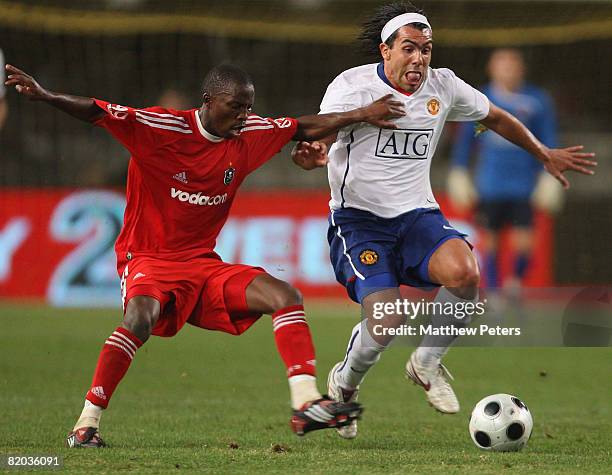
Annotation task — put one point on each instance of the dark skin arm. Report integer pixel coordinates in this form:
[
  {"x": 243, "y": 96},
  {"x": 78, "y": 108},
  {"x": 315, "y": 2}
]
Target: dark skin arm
[
  {"x": 82, "y": 108},
  {"x": 310, "y": 127},
  {"x": 555, "y": 160},
  {"x": 378, "y": 113}
]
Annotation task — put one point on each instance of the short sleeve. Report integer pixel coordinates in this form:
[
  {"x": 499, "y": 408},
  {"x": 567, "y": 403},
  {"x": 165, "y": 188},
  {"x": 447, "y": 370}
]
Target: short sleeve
[
  {"x": 265, "y": 137},
  {"x": 341, "y": 96},
  {"x": 2, "y": 76},
  {"x": 140, "y": 130},
  {"x": 468, "y": 103},
  {"x": 119, "y": 121}
]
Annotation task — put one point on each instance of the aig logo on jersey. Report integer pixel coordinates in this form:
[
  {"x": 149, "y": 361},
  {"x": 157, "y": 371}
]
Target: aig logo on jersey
[{"x": 411, "y": 144}]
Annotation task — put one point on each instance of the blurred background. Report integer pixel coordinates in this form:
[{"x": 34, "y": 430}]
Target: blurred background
[{"x": 150, "y": 52}]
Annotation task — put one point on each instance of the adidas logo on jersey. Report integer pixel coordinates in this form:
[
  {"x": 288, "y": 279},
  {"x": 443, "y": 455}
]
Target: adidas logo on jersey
[
  {"x": 182, "y": 177},
  {"x": 198, "y": 198}
]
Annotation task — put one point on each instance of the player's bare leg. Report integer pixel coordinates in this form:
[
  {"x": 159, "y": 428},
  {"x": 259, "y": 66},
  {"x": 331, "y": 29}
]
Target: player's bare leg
[
  {"x": 455, "y": 268},
  {"x": 311, "y": 410},
  {"x": 119, "y": 349},
  {"x": 363, "y": 351}
]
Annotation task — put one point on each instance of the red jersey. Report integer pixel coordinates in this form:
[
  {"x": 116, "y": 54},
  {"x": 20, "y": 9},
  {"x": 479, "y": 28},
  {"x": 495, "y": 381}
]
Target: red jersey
[{"x": 181, "y": 179}]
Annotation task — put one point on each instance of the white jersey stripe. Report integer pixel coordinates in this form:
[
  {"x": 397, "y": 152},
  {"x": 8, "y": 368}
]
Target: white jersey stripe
[
  {"x": 160, "y": 115},
  {"x": 118, "y": 345},
  {"x": 257, "y": 121},
  {"x": 339, "y": 234},
  {"x": 129, "y": 342},
  {"x": 257, "y": 127},
  {"x": 163, "y": 121},
  {"x": 160, "y": 126},
  {"x": 124, "y": 287}
]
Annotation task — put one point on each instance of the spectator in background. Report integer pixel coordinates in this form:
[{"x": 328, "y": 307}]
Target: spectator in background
[
  {"x": 172, "y": 98},
  {"x": 509, "y": 181},
  {"x": 3, "y": 105}
]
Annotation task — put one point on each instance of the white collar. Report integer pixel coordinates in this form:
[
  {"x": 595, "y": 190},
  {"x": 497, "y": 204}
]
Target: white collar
[{"x": 207, "y": 135}]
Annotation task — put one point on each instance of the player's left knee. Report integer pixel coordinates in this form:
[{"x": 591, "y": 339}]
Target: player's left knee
[
  {"x": 470, "y": 277},
  {"x": 464, "y": 279}
]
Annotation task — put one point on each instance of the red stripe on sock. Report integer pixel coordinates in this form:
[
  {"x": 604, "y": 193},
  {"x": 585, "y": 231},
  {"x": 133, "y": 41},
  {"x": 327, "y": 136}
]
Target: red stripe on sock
[
  {"x": 113, "y": 363},
  {"x": 294, "y": 344}
]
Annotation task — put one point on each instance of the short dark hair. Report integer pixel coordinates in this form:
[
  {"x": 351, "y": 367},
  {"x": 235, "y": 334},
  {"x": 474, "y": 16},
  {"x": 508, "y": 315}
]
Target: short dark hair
[
  {"x": 225, "y": 75},
  {"x": 369, "y": 38}
]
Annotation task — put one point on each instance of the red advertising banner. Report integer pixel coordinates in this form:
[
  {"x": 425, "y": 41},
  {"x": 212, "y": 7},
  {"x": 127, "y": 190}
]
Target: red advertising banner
[{"x": 57, "y": 245}]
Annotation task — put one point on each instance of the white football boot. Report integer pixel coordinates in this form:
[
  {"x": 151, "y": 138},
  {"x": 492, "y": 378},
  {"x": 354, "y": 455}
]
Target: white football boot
[
  {"x": 434, "y": 380},
  {"x": 337, "y": 393}
]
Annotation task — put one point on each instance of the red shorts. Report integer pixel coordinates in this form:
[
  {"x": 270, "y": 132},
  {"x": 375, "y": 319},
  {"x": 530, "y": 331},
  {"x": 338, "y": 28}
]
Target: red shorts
[{"x": 205, "y": 292}]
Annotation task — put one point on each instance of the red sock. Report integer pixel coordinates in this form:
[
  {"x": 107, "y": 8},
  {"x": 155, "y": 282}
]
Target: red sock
[
  {"x": 293, "y": 340},
  {"x": 114, "y": 361}
]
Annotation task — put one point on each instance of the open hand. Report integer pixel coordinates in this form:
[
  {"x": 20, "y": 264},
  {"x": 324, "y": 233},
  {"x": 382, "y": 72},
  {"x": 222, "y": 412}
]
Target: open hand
[
  {"x": 379, "y": 112},
  {"x": 561, "y": 160},
  {"x": 310, "y": 155},
  {"x": 24, "y": 84}
]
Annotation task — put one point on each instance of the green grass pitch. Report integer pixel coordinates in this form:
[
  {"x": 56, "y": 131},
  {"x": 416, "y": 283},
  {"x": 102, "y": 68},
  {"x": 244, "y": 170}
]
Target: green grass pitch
[{"x": 209, "y": 402}]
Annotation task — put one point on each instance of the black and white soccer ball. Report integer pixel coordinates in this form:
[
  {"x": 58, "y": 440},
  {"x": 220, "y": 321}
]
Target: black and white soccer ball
[{"x": 501, "y": 423}]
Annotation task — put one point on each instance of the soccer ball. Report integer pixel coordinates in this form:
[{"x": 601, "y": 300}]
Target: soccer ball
[{"x": 501, "y": 423}]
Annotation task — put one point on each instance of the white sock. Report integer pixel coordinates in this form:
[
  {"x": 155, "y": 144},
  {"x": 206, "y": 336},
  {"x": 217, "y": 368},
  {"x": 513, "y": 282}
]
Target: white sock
[
  {"x": 303, "y": 389},
  {"x": 90, "y": 416},
  {"x": 434, "y": 347},
  {"x": 362, "y": 353}
]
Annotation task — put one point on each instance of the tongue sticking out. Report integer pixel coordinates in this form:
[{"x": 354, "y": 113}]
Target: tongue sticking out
[{"x": 413, "y": 77}]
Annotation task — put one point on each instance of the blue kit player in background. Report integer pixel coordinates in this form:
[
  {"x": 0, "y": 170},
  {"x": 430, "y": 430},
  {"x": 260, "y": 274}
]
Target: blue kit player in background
[
  {"x": 386, "y": 228},
  {"x": 509, "y": 180}
]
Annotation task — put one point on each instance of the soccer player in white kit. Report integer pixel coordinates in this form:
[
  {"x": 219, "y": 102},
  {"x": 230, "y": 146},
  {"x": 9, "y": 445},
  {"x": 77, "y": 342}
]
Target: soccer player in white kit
[{"x": 386, "y": 227}]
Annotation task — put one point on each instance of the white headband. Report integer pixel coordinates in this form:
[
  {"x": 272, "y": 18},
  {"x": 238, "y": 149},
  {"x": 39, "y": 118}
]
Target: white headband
[{"x": 404, "y": 19}]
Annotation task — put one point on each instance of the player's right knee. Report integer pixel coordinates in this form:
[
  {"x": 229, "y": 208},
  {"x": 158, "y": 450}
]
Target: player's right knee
[{"x": 140, "y": 316}]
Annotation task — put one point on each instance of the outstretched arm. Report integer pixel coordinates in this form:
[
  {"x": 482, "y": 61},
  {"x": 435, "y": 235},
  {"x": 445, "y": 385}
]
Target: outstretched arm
[
  {"x": 83, "y": 108},
  {"x": 555, "y": 160},
  {"x": 378, "y": 113}
]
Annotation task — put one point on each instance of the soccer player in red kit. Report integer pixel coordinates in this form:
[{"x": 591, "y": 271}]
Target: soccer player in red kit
[{"x": 184, "y": 171}]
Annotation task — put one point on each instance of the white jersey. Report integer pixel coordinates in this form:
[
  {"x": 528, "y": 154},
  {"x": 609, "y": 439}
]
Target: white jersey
[{"x": 386, "y": 172}]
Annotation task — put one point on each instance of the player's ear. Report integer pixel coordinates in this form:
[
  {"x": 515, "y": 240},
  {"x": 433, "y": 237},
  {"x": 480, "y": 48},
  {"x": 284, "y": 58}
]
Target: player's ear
[
  {"x": 206, "y": 99},
  {"x": 384, "y": 51}
]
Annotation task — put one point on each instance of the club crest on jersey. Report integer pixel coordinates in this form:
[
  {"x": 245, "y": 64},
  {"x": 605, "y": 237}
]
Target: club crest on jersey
[
  {"x": 433, "y": 106},
  {"x": 411, "y": 144},
  {"x": 229, "y": 175},
  {"x": 368, "y": 257},
  {"x": 117, "y": 111}
]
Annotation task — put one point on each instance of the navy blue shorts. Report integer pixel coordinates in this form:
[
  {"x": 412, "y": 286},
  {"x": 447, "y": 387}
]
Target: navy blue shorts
[
  {"x": 495, "y": 214},
  {"x": 370, "y": 253}
]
